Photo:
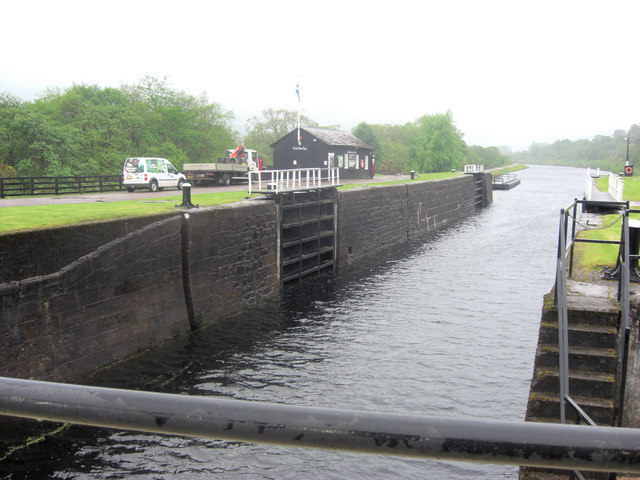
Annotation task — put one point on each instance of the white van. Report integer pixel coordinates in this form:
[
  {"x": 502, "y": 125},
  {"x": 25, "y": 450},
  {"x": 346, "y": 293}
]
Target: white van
[{"x": 150, "y": 172}]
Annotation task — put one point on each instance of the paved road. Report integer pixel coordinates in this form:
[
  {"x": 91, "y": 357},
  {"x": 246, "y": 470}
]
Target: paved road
[
  {"x": 108, "y": 196},
  {"x": 142, "y": 194}
]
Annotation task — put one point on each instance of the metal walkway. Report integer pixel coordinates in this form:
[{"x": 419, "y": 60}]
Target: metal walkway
[{"x": 599, "y": 201}]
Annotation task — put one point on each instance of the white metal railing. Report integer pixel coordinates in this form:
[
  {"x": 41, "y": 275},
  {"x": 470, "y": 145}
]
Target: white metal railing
[
  {"x": 593, "y": 173},
  {"x": 589, "y": 182},
  {"x": 506, "y": 178},
  {"x": 277, "y": 181},
  {"x": 473, "y": 168},
  {"x": 616, "y": 185}
]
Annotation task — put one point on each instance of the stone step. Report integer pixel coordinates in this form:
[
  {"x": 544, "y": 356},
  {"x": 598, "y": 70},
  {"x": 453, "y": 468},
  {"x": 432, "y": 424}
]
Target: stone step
[
  {"x": 586, "y": 359},
  {"x": 536, "y": 419},
  {"x": 543, "y": 405},
  {"x": 585, "y": 310},
  {"x": 593, "y": 318},
  {"x": 531, "y": 473},
  {"x": 602, "y": 318},
  {"x": 584, "y": 384},
  {"x": 528, "y": 473},
  {"x": 577, "y": 316},
  {"x": 584, "y": 335}
]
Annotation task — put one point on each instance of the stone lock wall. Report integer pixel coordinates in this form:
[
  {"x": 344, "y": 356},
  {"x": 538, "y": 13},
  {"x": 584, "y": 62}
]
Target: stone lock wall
[
  {"x": 232, "y": 258},
  {"x": 446, "y": 202},
  {"x": 138, "y": 290},
  {"x": 372, "y": 220},
  {"x": 125, "y": 286},
  {"x": 125, "y": 296},
  {"x": 40, "y": 252},
  {"x": 369, "y": 220}
]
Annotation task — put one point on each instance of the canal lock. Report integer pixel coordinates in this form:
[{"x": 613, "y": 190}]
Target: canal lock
[{"x": 307, "y": 233}]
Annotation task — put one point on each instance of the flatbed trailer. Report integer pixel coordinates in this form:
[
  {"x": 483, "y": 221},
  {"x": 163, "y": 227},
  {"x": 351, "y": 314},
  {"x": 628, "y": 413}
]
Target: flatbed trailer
[
  {"x": 225, "y": 171},
  {"x": 222, "y": 173}
]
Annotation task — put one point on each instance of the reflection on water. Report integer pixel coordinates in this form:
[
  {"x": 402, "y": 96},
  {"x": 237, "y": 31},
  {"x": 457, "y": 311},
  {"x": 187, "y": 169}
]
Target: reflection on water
[{"x": 446, "y": 328}]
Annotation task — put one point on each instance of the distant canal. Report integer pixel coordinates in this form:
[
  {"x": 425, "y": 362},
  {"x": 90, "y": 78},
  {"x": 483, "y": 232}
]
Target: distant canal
[{"x": 445, "y": 328}]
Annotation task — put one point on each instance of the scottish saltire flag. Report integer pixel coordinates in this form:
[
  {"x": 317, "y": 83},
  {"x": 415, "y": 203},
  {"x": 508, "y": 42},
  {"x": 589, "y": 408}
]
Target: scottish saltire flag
[{"x": 298, "y": 90}]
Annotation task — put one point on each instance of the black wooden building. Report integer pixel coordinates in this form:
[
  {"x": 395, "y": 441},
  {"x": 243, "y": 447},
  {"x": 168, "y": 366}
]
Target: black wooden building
[{"x": 322, "y": 148}]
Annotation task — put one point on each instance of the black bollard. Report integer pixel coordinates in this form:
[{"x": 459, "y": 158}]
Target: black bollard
[
  {"x": 186, "y": 197},
  {"x": 413, "y": 175}
]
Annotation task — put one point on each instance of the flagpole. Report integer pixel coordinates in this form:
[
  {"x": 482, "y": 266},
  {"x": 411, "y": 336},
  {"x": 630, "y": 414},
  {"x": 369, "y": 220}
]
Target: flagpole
[{"x": 298, "y": 93}]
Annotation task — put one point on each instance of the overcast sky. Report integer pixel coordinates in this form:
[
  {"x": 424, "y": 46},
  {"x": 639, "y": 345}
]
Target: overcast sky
[{"x": 512, "y": 72}]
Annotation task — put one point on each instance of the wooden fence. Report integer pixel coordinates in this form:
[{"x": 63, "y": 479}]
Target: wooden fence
[{"x": 21, "y": 186}]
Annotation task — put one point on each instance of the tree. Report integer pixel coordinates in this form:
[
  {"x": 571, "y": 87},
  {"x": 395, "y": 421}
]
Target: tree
[
  {"x": 10, "y": 106},
  {"x": 490, "y": 157},
  {"x": 438, "y": 145},
  {"x": 367, "y": 134},
  {"x": 99, "y": 115},
  {"x": 151, "y": 91},
  {"x": 186, "y": 127},
  {"x": 86, "y": 129},
  {"x": 393, "y": 154},
  {"x": 607, "y": 152},
  {"x": 43, "y": 148}
]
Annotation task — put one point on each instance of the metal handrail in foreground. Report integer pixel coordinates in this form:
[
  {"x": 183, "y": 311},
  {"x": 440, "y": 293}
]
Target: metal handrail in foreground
[
  {"x": 276, "y": 181},
  {"x": 497, "y": 442}
]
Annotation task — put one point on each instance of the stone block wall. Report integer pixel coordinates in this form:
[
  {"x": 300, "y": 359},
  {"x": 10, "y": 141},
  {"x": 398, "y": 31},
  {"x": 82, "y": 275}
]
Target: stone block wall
[
  {"x": 40, "y": 252},
  {"x": 139, "y": 290},
  {"x": 372, "y": 220},
  {"x": 436, "y": 204},
  {"x": 232, "y": 257},
  {"x": 124, "y": 297},
  {"x": 369, "y": 221}
]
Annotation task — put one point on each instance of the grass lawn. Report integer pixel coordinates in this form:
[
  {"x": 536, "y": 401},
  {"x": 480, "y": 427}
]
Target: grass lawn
[
  {"x": 591, "y": 258},
  {"x": 418, "y": 177},
  {"x": 14, "y": 219},
  {"x": 510, "y": 169},
  {"x": 631, "y": 190}
]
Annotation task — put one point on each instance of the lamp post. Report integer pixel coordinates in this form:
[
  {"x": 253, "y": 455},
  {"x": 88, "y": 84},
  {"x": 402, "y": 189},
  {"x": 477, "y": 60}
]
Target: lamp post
[
  {"x": 627, "y": 158},
  {"x": 628, "y": 169}
]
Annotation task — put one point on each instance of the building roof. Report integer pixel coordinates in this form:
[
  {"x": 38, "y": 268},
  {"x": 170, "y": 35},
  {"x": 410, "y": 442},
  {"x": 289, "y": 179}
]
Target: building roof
[
  {"x": 334, "y": 137},
  {"x": 337, "y": 137}
]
